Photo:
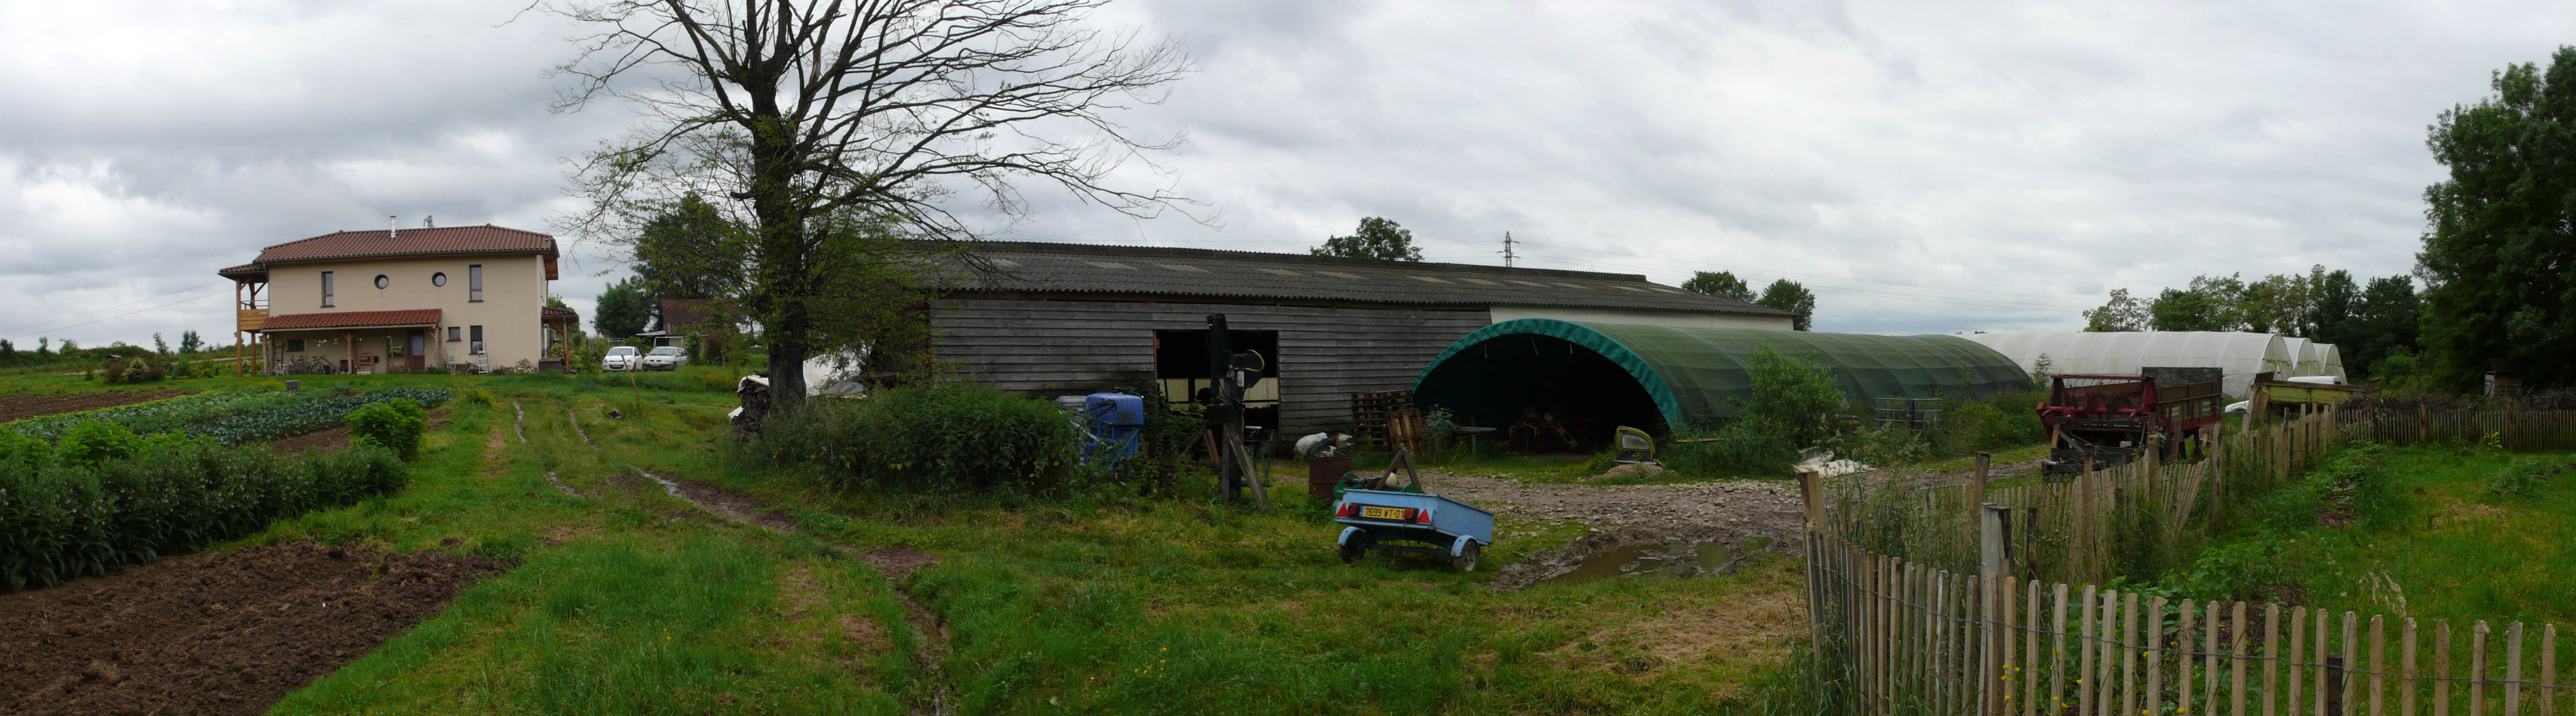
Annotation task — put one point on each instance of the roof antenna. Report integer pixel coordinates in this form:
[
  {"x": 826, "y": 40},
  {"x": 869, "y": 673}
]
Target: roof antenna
[
  {"x": 429, "y": 221},
  {"x": 392, "y": 223}
]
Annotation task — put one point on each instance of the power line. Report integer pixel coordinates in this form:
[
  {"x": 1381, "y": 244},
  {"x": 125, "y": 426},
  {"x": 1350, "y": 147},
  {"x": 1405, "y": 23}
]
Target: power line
[
  {"x": 122, "y": 315},
  {"x": 111, "y": 308}
]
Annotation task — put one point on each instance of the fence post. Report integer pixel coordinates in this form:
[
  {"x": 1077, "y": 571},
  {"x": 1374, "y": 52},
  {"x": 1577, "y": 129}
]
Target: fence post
[
  {"x": 2513, "y": 669},
  {"x": 1809, "y": 492},
  {"x": 2406, "y": 680},
  {"x": 2217, "y": 465}
]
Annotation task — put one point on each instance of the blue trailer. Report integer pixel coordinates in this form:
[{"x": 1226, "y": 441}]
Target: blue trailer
[{"x": 1375, "y": 518}]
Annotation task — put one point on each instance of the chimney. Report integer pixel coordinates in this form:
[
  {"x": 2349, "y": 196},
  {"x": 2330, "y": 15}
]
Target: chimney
[{"x": 391, "y": 222}]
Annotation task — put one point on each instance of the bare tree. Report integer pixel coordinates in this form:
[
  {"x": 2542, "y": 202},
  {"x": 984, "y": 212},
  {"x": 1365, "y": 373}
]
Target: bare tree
[{"x": 821, "y": 128}]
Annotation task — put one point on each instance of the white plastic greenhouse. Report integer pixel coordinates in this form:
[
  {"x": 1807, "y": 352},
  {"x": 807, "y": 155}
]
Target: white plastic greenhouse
[{"x": 2238, "y": 355}]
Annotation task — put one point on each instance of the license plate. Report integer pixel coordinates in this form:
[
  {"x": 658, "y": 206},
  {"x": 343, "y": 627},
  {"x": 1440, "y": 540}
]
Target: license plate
[{"x": 1382, "y": 513}]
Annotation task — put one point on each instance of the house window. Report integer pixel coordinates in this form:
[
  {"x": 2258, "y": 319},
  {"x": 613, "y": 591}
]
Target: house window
[
  {"x": 382, "y": 282},
  {"x": 477, "y": 347},
  {"x": 438, "y": 279},
  {"x": 295, "y": 345},
  {"x": 326, "y": 289},
  {"x": 474, "y": 285},
  {"x": 455, "y": 334}
]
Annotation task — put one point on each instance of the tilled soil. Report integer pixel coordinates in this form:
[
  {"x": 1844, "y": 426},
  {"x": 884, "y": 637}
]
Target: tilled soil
[
  {"x": 20, "y": 406},
  {"x": 1728, "y": 512},
  {"x": 221, "y": 633}
]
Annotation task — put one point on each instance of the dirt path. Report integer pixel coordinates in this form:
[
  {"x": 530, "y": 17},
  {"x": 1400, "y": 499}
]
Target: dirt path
[
  {"x": 220, "y": 633},
  {"x": 1733, "y": 513},
  {"x": 896, "y": 563}
]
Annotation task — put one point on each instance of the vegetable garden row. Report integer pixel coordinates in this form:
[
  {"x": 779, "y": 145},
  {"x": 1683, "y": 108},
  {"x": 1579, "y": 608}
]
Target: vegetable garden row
[
  {"x": 231, "y": 417},
  {"x": 81, "y": 492}
]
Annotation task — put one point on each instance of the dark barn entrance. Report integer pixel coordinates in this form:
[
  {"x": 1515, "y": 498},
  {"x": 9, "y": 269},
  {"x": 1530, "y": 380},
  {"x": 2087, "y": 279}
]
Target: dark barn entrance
[
  {"x": 1181, "y": 367},
  {"x": 1512, "y": 376}
]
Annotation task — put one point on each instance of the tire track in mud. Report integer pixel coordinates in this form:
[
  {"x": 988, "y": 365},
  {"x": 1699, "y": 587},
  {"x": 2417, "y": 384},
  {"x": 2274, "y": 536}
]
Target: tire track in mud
[
  {"x": 896, "y": 563},
  {"x": 517, "y": 425}
]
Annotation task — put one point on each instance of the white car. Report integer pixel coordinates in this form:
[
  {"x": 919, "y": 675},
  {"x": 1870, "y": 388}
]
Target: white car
[
  {"x": 622, "y": 358},
  {"x": 665, "y": 358}
]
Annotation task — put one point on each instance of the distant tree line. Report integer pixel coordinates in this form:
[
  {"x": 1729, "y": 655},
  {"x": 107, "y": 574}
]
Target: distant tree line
[{"x": 48, "y": 352}]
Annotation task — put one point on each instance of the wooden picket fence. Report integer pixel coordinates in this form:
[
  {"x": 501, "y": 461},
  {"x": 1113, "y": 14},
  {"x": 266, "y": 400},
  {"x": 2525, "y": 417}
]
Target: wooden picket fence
[
  {"x": 1914, "y": 612},
  {"x": 2065, "y": 530},
  {"x": 1901, "y": 639}
]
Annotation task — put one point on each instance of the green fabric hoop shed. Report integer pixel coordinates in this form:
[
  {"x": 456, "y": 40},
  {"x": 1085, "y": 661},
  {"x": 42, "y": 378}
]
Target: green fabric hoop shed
[{"x": 1691, "y": 373}]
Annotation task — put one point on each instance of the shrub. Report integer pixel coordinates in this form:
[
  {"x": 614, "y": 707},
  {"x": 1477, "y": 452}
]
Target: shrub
[
  {"x": 115, "y": 372},
  {"x": 93, "y": 442},
  {"x": 2524, "y": 477},
  {"x": 2352, "y": 484},
  {"x": 1795, "y": 404},
  {"x": 943, "y": 437},
  {"x": 394, "y": 424},
  {"x": 2239, "y": 571}
]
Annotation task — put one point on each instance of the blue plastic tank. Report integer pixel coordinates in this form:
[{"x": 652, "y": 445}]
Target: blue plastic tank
[{"x": 1115, "y": 409}]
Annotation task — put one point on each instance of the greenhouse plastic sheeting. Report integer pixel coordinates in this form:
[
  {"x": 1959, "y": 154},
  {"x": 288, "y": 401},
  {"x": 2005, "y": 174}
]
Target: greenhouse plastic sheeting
[
  {"x": 2330, "y": 362},
  {"x": 1699, "y": 372},
  {"x": 2237, "y": 355}
]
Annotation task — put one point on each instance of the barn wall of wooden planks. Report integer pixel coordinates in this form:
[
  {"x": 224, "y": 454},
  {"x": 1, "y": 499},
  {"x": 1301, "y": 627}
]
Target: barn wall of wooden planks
[
  {"x": 1933, "y": 632},
  {"x": 1326, "y": 353}
]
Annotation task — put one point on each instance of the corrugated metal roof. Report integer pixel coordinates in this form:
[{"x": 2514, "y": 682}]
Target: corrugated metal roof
[
  {"x": 485, "y": 239},
  {"x": 1102, "y": 269}
]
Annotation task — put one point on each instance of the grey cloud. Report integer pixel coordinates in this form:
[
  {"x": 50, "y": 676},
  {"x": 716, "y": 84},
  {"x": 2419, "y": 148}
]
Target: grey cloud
[{"x": 2048, "y": 151}]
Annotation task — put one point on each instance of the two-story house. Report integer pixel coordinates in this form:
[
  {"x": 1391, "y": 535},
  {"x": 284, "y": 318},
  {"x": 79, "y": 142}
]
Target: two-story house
[{"x": 404, "y": 300}]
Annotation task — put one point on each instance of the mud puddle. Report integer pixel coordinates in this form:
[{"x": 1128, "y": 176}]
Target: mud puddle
[{"x": 1671, "y": 559}]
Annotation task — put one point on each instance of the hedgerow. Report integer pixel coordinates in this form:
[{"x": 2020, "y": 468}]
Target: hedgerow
[
  {"x": 64, "y": 515},
  {"x": 946, "y": 437}
]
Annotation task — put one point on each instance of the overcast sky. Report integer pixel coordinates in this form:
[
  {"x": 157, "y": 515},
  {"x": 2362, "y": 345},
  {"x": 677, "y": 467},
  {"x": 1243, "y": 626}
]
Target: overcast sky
[{"x": 1924, "y": 167}]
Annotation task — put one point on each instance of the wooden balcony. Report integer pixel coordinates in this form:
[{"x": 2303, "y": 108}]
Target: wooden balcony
[{"x": 249, "y": 319}]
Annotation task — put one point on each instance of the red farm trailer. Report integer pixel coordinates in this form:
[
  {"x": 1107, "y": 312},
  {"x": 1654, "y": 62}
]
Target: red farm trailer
[{"x": 2107, "y": 420}]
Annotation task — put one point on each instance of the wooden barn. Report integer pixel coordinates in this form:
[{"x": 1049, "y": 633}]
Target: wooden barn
[{"x": 1063, "y": 319}]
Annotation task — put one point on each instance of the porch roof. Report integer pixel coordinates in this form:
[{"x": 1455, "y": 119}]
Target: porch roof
[{"x": 350, "y": 319}]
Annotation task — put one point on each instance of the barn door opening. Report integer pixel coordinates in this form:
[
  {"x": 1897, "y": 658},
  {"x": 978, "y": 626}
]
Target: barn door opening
[{"x": 1181, "y": 368}]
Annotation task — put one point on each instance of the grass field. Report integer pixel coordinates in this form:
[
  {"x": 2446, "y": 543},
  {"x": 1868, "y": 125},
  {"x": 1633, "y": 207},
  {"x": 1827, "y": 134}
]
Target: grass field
[
  {"x": 631, "y": 601},
  {"x": 2445, "y": 549}
]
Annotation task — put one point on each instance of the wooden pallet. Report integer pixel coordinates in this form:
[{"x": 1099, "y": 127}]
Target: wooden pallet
[{"x": 1369, "y": 412}]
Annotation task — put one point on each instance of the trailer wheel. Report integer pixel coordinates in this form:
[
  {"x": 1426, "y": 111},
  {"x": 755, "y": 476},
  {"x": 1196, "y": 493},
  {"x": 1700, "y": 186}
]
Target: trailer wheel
[
  {"x": 1466, "y": 559},
  {"x": 1352, "y": 549}
]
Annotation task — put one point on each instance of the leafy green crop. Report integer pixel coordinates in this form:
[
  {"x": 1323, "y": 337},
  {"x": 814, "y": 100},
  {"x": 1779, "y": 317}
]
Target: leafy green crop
[
  {"x": 231, "y": 417},
  {"x": 62, "y": 518}
]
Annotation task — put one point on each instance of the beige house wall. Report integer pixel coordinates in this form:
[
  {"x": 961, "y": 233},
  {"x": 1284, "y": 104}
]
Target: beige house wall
[{"x": 514, "y": 293}]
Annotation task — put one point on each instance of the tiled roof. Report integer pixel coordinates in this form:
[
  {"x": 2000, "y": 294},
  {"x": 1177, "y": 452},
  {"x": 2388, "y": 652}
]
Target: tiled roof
[
  {"x": 550, "y": 314},
  {"x": 683, "y": 312},
  {"x": 1031, "y": 267},
  {"x": 485, "y": 239},
  {"x": 350, "y": 319}
]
